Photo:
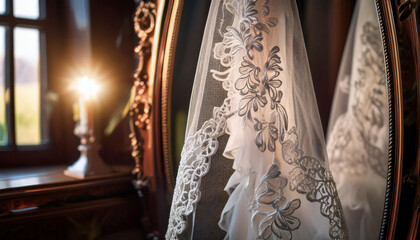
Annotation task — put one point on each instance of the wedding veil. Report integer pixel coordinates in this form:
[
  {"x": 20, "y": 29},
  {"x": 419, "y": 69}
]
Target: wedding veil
[
  {"x": 357, "y": 142},
  {"x": 253, "y": 83}
]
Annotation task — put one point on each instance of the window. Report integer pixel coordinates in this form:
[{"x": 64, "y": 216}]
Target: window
[
  {"x": 25, "y": 82},
  {"x": 43, "y": 48},
  {"x": 22, "y": 74}
]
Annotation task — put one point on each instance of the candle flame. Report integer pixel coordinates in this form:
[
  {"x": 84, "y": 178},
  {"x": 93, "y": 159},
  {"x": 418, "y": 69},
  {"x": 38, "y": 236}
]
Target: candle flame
[{"x": 86, "y": 87}]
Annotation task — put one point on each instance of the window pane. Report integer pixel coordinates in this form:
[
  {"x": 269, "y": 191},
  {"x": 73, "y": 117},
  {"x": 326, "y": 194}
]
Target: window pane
[
  {"x": 27, "y": 86},
  {"x": 3, "y": 127},
  {"x": 26, "y": 9},
  {"x": 2, "y": 6}
]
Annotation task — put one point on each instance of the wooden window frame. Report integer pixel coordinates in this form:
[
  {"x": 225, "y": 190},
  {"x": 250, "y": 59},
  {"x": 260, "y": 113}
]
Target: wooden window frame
[{"x": 53, "y": 50}]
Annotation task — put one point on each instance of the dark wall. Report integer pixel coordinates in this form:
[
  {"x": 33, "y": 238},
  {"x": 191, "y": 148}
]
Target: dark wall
[
  {"x": 325, "y": 24},
  {"x": 113, "y": 41}
]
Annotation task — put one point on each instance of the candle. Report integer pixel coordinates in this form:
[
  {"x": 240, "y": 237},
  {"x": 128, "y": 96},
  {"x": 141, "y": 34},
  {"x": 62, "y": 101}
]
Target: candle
[
  {"x": 87, "y": 90},
  {"x": 85, "y": 116}
]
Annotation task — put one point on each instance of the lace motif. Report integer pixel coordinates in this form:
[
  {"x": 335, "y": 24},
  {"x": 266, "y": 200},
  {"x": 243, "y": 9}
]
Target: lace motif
[
  {"x": 271, "y": 212},
  {"x": 310, "y": 177},
  {"x": 195, "y": 163},
  {"x": 366, "y": 114}
]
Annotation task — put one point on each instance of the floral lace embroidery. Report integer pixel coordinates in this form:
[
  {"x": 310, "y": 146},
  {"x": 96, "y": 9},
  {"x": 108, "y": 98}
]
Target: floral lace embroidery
[
  {"x": 271, "y": 212},
  {"x": 195, "y": 163},
  {"x": 367, "y": 113},
  {"x": 260, "y": 89},
  {"x": 254, "y": 87},
  {"x": 310, "y": 177}
]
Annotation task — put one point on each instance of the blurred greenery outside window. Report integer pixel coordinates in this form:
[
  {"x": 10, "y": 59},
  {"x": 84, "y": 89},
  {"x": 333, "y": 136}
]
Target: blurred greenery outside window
[{"x": 22, "y": 82}]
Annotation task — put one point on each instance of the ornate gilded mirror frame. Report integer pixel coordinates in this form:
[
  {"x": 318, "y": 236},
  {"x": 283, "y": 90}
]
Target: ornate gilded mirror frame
[
  {"x": 157, "y": 24},
  {"x": 393, "y": 75},
  {"x": 399, "y": 27}
]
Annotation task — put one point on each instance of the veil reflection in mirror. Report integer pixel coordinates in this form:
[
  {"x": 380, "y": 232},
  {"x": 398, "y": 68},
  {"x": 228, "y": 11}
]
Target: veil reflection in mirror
[{"x": 357, "y": 142}]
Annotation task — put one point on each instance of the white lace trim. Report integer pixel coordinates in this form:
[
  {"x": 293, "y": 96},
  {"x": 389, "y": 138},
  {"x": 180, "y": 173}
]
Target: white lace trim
[{"x": 195, "y": 163}]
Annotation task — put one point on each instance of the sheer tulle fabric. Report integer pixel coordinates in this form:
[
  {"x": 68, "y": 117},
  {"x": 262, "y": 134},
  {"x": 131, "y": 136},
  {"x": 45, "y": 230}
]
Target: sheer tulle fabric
[
  {"x": 253, "y": 52},
  {"x": 357, "y": 142}
]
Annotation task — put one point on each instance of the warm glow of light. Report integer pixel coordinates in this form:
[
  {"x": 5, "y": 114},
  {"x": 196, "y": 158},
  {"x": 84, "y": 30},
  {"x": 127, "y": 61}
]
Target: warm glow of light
[{"x": 86, "y": 87}]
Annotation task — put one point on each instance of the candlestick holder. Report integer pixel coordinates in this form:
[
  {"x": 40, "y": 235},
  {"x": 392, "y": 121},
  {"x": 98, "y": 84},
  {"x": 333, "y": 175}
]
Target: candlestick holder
[{"x": 89, "y": 162}]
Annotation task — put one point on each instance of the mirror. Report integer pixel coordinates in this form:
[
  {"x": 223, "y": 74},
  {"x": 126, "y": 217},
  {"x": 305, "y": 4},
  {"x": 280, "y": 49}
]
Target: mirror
[
  {"x": 381, "y": 144},
  {"x": 357, "y": 141}
]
